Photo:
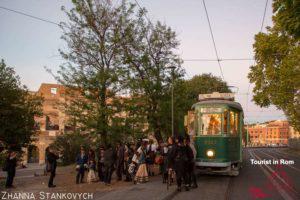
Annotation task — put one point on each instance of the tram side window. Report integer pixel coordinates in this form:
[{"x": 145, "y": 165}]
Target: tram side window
[
  {"x": 233, "y": 123},
  {"x": 211, "y": 124},
  {"x": 225, "y": 122}
]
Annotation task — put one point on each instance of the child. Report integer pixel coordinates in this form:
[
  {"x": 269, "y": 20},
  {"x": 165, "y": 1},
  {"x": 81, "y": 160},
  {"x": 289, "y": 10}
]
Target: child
[{"x": 91, "y": 175}]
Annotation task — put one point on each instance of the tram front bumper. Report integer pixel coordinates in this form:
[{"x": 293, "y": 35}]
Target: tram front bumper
[{"x": 213, "y": 164}]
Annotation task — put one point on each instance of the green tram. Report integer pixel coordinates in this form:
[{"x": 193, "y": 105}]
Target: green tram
[{"x": 218, "y": 126}]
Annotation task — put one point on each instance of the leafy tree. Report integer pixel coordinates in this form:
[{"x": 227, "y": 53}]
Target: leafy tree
[
  {"x": 93, "y": 69},
  {"x": 277, "y": 53},
  {"x": 287, "y": 16},
  {"x": 17, "y": 110},
  {"x": 204, "y": 84},
  {"x": 149, "y": 52},
  {"x": 186, "y": 93}
]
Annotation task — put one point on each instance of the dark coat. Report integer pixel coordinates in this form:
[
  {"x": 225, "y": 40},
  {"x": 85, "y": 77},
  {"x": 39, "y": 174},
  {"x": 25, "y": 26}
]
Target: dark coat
[
  {"x": 52, "y": 161},
  {"x": 170, "y": 155},
  {"x": 81, "y": 161},
  {"x": 179, "y": 157},
  {"x": 109, "y": 157},
  {"x": 120, "y": 156},
  {"x": 190, "y": 158},
  {"x": 11, "y": 164}
]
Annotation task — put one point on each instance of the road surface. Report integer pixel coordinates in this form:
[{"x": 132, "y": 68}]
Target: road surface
[{"x": 264, "y": 181}]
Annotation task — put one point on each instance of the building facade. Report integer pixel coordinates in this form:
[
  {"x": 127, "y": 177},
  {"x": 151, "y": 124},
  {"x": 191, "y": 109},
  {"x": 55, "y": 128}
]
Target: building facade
[
  {"x": 49, "y": 125},
  {"x": 269, "y": 133}
]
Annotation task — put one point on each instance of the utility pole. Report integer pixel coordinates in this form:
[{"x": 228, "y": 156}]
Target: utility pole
[{"x": 172, "y": 102}]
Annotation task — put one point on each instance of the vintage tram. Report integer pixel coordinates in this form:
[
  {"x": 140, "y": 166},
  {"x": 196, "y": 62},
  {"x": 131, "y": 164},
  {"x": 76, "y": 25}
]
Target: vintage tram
[{"x": 217, "y": 125}]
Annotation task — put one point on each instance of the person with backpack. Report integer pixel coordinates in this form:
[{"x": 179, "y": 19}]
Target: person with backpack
[
  {"x": 10, "y": 167},
  {"x": 179, "y": 158}
]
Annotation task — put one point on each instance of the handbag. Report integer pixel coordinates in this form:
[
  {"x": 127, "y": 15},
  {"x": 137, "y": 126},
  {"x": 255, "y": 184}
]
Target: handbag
[
  {"x": 131, "y": 168},
  {"x": 48, "y": 167},
  {"x": 159, "y": 160},
  {"x": 5, "y": 167}
]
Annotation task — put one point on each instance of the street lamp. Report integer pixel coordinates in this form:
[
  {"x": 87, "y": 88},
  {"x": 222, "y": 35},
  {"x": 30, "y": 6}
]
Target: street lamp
[{"x": 172, "y": 68}]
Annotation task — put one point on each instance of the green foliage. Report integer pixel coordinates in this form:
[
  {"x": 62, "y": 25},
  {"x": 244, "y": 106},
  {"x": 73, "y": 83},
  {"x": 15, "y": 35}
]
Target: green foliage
[
  {"x": 149, "y": 52},
  {"x": 114, "y": 51},
  {"x": 186, "y": 93},
  {"x": 287, "y": 16},
  {"x": 277, "y": 53},
  {"x": 69, "y": 146},
  {"x": 17, "y": 110},
  {"x": 204, "y": 84},
  {"x": 93, "y": 70}
]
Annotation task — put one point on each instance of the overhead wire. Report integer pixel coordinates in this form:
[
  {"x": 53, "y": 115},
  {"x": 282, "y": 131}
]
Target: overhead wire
[
  {"x": 213, "y": 40},
  {"x": 58, "y": 24},
  {"x": 31, "y": 16},
  {"x": 261, "y": 29}
]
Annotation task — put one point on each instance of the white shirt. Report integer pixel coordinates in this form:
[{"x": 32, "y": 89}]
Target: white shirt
[
  {"x": 193, "y": 149},
  {"x": 153, "y": 147}
]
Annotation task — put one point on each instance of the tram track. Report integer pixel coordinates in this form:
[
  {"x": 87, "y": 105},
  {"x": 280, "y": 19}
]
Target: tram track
[
  {"x": 290, "y": 156},
  {"x": 285, "y": 189},
  {"x": 229, "y": 188}
]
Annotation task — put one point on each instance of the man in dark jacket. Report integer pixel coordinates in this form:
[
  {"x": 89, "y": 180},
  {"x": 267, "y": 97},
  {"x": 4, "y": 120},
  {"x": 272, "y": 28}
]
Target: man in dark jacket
[
  {"x": 120, "y": 160},
  {"x": 81, "y": 164},
  {"x": 52, "y": 157},
  {"x": 180, "y": 158},
  {"x": 190, "y": 166},
  {"x": 10, "y": 167},
  {"x": 101, "y": 164},
  {"x": 109, "y": 161}
]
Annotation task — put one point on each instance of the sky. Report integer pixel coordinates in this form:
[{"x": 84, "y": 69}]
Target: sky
[{"x": 30, "y": 45}]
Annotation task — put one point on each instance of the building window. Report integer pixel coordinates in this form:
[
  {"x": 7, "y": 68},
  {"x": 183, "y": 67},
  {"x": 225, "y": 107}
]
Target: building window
[{"x": 53, "y": 90}]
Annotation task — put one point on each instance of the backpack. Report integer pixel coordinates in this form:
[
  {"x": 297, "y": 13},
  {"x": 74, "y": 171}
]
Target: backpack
[{"x": 181, "y": 154}]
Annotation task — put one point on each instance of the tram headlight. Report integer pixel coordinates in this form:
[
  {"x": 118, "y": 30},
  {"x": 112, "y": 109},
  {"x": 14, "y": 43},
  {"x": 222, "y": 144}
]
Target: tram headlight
[{"x": 210, "y": 153}]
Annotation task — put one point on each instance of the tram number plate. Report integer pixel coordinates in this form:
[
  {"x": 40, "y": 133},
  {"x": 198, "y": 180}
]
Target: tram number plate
[{"x": 210, "y": 142}]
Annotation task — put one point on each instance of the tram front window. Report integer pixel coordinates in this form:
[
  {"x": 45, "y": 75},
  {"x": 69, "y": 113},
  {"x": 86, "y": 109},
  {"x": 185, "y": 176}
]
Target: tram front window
[{"x": 211, "y": 124}]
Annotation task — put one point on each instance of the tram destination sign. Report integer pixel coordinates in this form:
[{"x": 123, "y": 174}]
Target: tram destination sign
[
  {"x": 216, "y": 95},
  {"x": 211, "y": 110}
]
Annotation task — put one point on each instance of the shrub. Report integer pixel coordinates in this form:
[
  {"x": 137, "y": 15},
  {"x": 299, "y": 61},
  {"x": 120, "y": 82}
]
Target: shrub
[{"x": 69, "y": 145}]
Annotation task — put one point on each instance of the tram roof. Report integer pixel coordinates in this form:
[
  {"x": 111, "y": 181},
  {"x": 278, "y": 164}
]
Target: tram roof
[{"x": 219, "y": 101}]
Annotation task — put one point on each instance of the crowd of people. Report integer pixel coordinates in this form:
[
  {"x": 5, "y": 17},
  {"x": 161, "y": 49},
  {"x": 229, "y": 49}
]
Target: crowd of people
[{"x": 131, "y": 162}]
